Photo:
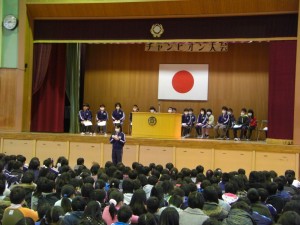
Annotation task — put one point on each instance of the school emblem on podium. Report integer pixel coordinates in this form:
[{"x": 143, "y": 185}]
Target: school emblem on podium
[{"x": 152, "y": 121}]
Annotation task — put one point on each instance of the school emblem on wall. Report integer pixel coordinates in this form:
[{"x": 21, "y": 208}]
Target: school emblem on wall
[
  {"x": 157, "y": 30},
  {"x": 152, "y": 121}
]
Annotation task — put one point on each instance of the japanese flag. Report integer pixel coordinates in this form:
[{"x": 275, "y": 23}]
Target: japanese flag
[{"x": 183, "y": 81}]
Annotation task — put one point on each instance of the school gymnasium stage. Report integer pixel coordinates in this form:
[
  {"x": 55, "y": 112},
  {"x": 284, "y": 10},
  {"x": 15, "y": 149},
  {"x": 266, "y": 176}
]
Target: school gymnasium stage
[{"x": 228, "y": 155}]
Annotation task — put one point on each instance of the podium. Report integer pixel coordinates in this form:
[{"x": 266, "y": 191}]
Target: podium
[{"x": 156, "y": 125}]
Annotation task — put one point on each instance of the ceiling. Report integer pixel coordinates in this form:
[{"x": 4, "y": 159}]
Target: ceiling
[{"x": 101, "y": 9}]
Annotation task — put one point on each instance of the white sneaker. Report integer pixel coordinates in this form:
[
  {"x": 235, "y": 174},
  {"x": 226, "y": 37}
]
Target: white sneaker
[
  {"x": 237, "y": 139},
  {"x": 105, "y": 134},
  {"x": 94, "y": 134},
  {"x": 82, "y": 133}
]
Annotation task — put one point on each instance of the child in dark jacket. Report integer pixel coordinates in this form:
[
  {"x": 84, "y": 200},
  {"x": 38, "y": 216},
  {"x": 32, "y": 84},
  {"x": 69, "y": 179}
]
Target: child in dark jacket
[
  {"x": 117, "y": 140},
  {"x": 241, "y": 124}
]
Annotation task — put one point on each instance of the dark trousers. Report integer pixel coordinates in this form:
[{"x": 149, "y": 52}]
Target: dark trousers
[
  {"x": 185, "y": 130},
  {"x": 85, "y": 129},
  {"x": 116, "y": 155},
  {"x": 250, "y": 129},
  {"x": 243, "y": 131}
]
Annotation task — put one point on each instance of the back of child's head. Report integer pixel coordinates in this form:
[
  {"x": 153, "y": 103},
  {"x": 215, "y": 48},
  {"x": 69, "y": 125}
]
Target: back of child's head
[
  {"x": 45, "y": 185},
  {"x": 124, "y": 214},
  {"x": 272, "y": 188},
  {"x": 21, "y": 158},
  {"x": 98, "y": 195},
  {"x": 89, "y": 180},
  {"x": 80, "y": 161},
  {"x": 147, "y": 219},
  {"x": 100, "y": 184},
  {"x": 95, "y": 168},
  {"x": 195, "y": 200},
  {"x": 17, "y": 195},
  {"x": 200, "y": 169},
  {"x": 78, "y": 203},
  {"x": 86, "y": 190},
  {"x": 176, "y": 200},
  {"x": 53, "y": 215},
  {"x": 127, "y": 186},
  {"x": 289, "y": 218},
  {"x": 152, "y": 204},
  {"x": 210, "y": 194}
]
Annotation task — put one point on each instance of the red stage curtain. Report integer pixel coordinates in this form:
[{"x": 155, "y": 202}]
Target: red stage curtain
[
  {"x": 47, "y": 112},
  {"x": 282, "y": 68},
  {"x": 40, "y": 65}
]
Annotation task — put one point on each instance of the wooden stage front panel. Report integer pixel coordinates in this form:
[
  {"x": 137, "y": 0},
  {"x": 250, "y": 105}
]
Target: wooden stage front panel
[{"x": 227, "y": 155}]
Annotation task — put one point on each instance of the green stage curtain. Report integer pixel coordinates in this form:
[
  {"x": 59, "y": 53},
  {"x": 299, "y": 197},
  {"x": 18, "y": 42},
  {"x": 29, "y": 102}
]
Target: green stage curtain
[{"x": 73, "y": 83}]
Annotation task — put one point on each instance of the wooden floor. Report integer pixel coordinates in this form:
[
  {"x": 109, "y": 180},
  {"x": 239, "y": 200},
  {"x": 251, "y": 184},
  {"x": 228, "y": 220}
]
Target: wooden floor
[{"x": 226, "y": 154}]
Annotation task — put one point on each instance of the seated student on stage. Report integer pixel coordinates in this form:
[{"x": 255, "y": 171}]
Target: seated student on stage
[
  {"x": 231, "y": 122},
  {"x": 222, "y": 124},
  {"x": 152, "y": 109},
  {"x": 192, "y": 120},
  {"x": 185, "y": 119},
  {"x": 252, "y": 123},
  {"x": 201, "y": 120},
  {"x": 85, "y": 119},
  {"x": 209, "y": 123},
  {"x": 170, "y": 109},
  {"x": 241, "y": 124},
  {"x": 118, "y": 115},
  {"x": 135, "y": 108},
  {"x": 102, "y": 118}
]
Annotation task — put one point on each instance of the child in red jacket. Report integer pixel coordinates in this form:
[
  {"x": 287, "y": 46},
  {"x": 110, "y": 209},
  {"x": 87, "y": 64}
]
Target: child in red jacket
[{"x": 252, "y": 123}]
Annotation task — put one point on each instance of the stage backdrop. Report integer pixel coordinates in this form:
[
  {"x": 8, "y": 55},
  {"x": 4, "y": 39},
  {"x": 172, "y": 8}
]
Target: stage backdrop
[{"x": 126, "y": 73}]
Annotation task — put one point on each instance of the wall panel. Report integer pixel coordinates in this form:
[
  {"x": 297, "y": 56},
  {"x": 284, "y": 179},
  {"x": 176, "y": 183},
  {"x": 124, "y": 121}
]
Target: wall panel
[{"x": 126, "y": 73}]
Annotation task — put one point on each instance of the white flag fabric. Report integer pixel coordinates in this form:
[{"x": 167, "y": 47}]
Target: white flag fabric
[{"x": 183, "y": 82}]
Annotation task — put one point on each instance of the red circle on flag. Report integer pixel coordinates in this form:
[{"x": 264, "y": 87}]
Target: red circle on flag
[{"x": 183, "y": 81}]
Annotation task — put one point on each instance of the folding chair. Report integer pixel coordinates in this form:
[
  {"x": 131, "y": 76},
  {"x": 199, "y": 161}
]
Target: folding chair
[{"x": 263, "y": 127}]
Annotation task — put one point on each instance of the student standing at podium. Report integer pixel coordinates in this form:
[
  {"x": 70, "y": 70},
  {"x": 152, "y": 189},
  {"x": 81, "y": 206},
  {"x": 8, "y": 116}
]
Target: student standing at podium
[
  {"x": 118, "y": 115},
  {"x": 117, "y": 140}
]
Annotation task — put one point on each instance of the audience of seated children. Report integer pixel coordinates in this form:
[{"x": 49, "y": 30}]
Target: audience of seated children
[{"x": 154, "y": 195}]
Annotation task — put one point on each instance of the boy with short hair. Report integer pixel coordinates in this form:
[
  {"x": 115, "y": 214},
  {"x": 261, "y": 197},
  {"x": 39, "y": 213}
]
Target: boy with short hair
[
  {"x": 241, "y": 124},
  {"x": 124, "y": 216},
  {"x": 15, "y": 212}
]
